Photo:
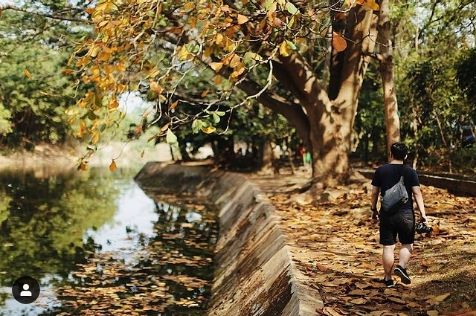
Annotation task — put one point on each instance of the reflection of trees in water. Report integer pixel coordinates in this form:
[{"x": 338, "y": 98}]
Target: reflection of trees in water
[
  {"x": 188, "y": 247},
  {"x": 42, "y": 221}
]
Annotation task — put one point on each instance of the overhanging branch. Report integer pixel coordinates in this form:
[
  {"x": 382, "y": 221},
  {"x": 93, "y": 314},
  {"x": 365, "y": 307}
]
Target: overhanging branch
[
  {"x": 11, "y": 7},
  {"x": 292, "y": 112}
]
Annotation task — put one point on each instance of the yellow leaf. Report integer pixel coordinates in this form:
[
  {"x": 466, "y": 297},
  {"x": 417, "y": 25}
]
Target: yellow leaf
[
  {"x": 338, "y": 42},
  {"x": 235, "y": 61},
  {"x": 27, "y": 74},
  {"x": 156, "y": 88},
  {"x": 82, "y": 129},
  {"x": 89, "y": 11},
  {"x": 188, "y": 6},
  {"x": 113, "y": 166},
  {"x": 242, "y": 19},
  {"x": 284, "y": 49},
  {"x": 209, "y": 129},
  {"x": 83, "y": 165},
  {"x": 216, "y": 66},
  {"x": 93, "y": 52},
  {"x": 174, "y": 105},
  {"x": 238, "y": 71},
  {"x": 95, "y": 137},
  {"x": 217, "y": 79},
  {"x": 183, "y": 53},
  {"x": 113, "y": 103},
  {"x": 219, "y": 39},
  {"x": 371, "y": 5}
]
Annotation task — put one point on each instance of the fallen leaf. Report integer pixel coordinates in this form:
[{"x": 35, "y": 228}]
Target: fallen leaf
[
  {"x": 396, "y": 300},
  {"x": 358, "y": 301},
  {"x": 438, "y": 299},
  {"x": 330, "y": 311}
]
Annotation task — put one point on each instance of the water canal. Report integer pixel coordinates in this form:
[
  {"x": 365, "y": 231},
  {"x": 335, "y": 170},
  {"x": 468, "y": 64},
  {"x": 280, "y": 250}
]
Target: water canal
[{"x": 99, "y": 245}]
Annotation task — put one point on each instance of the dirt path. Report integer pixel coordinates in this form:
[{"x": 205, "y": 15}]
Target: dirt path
[{"x": 335, "y": 244}]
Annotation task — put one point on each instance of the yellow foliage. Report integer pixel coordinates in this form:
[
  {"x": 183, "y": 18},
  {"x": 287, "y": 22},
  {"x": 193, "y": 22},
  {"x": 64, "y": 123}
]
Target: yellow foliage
[
  {"x": 208, "y": 129},
  {"x": 183, "y": 53},
  {"x": 113, "y": 104},
  {"x": 156, "y": 88},
  {"x": 242, "y": 19},
  {"x": 27, "y": 74},
  {"x": 113, "y": 166},
  {"x": 284, "y": 49},
  {"x": 371, "y": 5},
  {"x": 189, "y": 6},
  {"x": 216, "y": 66}
]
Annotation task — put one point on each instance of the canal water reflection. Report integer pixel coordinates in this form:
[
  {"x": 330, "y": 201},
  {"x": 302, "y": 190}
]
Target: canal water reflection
[{"x": 99, "y": 245}]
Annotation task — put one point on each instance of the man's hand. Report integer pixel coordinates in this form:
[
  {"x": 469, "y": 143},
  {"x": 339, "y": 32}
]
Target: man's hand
[
  {"x": 423, "y": 218},
  {"x": 374, "y": 214}
]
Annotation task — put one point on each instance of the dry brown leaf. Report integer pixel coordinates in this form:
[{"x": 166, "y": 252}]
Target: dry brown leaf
[
  {"x": 438, "y": 299},
  {"x": 358, "y": 301},
  {"x": 338, "y": 42},
  {"x": 330, "y": 311},
  {"x": 396, "y": 300}
]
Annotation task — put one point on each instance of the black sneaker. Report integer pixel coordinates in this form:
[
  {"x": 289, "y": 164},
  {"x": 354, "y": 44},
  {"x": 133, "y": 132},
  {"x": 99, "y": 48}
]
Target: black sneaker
[
  {"x": 389, "y": 283},
  {"x": 403, "y": 274}
]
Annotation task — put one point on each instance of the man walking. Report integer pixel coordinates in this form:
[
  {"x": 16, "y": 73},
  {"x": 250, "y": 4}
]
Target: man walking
[{"x": 400, "y": 222}]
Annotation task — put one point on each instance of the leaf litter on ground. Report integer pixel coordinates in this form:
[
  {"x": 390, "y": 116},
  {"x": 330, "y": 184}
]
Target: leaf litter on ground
[{"x": 335, "y": 244}]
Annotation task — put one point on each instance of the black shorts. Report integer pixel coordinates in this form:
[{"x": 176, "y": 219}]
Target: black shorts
[{"x": 402, "y": 223}]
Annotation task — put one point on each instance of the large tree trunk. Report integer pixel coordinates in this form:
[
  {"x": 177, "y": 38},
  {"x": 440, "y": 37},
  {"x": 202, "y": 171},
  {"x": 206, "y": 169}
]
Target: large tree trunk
[
  {"x": 332, "y": 137},
  {"x": 392, "y": 121},
  {"x": 325, "y": 119},
  {"x": 331, "y": 121}
]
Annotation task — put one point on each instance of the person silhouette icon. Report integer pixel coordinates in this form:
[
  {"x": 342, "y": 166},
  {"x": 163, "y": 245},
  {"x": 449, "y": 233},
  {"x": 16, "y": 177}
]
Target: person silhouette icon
[{"x": 26, "y": 291}]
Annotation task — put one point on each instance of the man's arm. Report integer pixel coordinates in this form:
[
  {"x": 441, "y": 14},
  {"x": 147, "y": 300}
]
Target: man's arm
[
  {"x": 373, "y": 207},
  {"x": 419, "y": 200}
]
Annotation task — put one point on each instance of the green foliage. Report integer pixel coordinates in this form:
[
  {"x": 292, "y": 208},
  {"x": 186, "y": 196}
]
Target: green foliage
[
  {"x": 466, "y": 74},
  {"x": 34, "y": 92},
  {"x": 435, "y": 80}
]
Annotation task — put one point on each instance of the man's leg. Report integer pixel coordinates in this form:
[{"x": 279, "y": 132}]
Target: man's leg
[
  {"x": 405, "y": 254},
  {"x": 388, "y": 260}
]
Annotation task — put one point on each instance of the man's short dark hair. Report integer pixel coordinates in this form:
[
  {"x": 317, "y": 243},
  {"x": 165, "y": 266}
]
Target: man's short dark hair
[{"x": 399, "y": 150}]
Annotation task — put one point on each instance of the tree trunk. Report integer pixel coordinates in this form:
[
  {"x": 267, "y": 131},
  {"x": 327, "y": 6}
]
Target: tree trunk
[
  {"x": 392, "y": 121},
  {"x": 326, "y": 116},
  {"x": 266, "y": 156}
]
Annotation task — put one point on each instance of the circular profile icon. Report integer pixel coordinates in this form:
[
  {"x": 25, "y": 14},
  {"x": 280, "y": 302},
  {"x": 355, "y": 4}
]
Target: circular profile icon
[{"x": 26, "y": 290}]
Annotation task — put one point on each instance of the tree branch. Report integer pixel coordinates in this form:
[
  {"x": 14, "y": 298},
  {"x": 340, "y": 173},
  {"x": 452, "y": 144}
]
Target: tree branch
[
  {"x": 292, "y": 112},
  {"x": 309, "y": 89},
  {"x": 45, "y": 15}
]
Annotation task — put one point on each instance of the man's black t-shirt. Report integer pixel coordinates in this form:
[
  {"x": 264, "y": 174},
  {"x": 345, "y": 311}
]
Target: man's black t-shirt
[{"x": 388, "y": 175}]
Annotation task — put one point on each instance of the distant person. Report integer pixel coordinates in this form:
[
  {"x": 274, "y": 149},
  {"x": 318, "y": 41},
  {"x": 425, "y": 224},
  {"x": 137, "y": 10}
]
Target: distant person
[{"x": 400, "y": 221}]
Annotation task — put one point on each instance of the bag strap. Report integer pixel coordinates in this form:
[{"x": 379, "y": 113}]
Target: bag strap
[{"x": 402, "y": 177}]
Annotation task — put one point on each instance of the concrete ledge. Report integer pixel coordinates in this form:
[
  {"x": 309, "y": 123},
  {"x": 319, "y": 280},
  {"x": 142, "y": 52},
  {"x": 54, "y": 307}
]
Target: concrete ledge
[
  {"x": 254, "y": 272},
  {"x": 456, "y": 184}
]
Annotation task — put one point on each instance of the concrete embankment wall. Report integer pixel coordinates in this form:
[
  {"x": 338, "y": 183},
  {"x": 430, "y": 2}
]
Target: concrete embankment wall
[
  {"x": 254, "y": 272},
  {"x": 456, "y": 184}
]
